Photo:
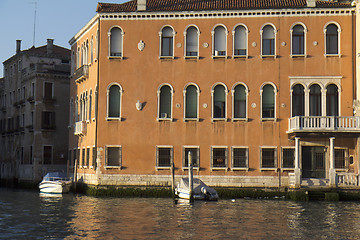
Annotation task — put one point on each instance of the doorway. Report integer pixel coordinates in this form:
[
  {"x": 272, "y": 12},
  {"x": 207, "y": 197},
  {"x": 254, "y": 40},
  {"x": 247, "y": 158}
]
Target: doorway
[{"x": 313, "y": 162}]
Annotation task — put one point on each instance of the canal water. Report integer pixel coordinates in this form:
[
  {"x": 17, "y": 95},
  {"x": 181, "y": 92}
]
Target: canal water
[{"x": 31, "y": 215}]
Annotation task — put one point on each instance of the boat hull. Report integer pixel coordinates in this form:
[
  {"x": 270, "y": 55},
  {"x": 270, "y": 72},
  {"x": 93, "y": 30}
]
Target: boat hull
[{"x": 55, "y": 186}]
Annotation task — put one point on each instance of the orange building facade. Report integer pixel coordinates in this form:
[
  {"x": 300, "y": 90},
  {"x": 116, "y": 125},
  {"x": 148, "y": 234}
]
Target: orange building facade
[{"x": 261, "y": 95}]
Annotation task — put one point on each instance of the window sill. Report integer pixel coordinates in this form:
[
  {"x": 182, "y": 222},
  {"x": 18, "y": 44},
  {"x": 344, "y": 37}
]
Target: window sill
[
  {"x": 341, "y": 169},
  {"x": 164, "y": 119},
  {"x": 332, "y": 55},
  {"x": 191, "y": 57},
  {"x": 268, "y": 56},
  {"x": 215, "y": 57},
  {"x": 239, "y": 119},
  {"x": 166, "y": 57},
  {"x": 162, "y": 168},
  {"x": 287, "y": 169},
  {"x": 191, "y": 119},
  {"x": 268, "y": 119},
  {"x": 240, "y": 169},
  {"x": 268, "y": 169},
  {"x": 115, "y": 57},
  {"x": 218, "y": 119},
  {"x": 240, "y": 56},
  {"x": 298, "y": 56},
  {"x": 113, "y": 167},
  {"x": 187, "y": 168},
  {"x": 113, "y": 119},
  {"x": 218, "y": 168}
]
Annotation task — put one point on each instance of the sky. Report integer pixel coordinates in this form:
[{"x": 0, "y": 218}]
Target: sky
[{"x": 56, "y": 19}]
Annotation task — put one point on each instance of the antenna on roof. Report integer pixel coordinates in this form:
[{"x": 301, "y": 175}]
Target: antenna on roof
[{"x": 35, "y": 3}]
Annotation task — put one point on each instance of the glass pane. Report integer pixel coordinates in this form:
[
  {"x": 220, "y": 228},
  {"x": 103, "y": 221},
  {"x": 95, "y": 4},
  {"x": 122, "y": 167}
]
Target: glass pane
[
  {"x": 164, "y": 157},
  {"x": 298, "y": 98},
  {"x": 113, "y": 156},
  {"x": 315, "y": 100},
  {"x": 288, "y": 158},
  {"x": 115, "y": 42},
  {"x": 219, "y": 101},
  {"x": 268, "y": 102},
  {"x": 219, "y": 157},
  {"x": 220, "y": 40},
  {"x": 239, "y": 157},
  {"x": 165, "y": 102},
  {"x": 194, "y": 155},
  {"x": 191, "y": 41},
  {"x": 240, "y": 41},
  {"x": 268, "y": 158},
  {"x": 114, "y": 101},
  {"x": 332, "y": 39},
  {"x": 332, "y": 100},
  {"x": 191, "y": 102},
  {"x": 240, "y": 102}
]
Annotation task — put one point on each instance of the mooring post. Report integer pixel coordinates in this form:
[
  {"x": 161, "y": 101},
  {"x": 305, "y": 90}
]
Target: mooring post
[
  {"x": 173, "y": 180},
  {"x": 191, "y": 179},
  {"x": 75, "y": 175}
]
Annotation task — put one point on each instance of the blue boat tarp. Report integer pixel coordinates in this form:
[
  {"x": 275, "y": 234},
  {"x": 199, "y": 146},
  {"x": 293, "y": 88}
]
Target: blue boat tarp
[{"x": 55, "y": 175}]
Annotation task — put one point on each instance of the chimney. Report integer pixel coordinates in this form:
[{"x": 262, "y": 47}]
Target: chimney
[
  {"x": 311, "y": 3},
  {"x": 141, "y": 5},
  {"x": 18, "y": 46},
  {"x": 50, "y": 44}
]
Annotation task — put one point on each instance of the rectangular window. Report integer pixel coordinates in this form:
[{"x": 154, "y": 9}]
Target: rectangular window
[
  {"x": 83, "y": 157},
  {"x": 195, "y": 154},
  {"x": 32, "y": 89},
  {"x": 78, "y": 157},
  {"x": 113, "y": 156},
  {"x": 340, "y": 158},
  {"x": 48, "y": 120},
  {"x": 48, "y": 91},
  {"x": 47, "y": 154},
  {"x": 288, "y": 157},
  {"x": 94, "y": 155},
  {"x": 167, "y": 46},
  {"x": 219, "y": 156},
  {"x": 268, "y": 158},
  {"x": 239, "y": 157},
  {"x": 164, "y": 157},
  {"x": 87, "y": 157},
  {"x": 74, "y": 158}
]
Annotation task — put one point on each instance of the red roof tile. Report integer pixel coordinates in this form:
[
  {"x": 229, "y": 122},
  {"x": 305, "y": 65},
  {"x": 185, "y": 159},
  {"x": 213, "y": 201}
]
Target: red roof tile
[{"x": 202, "y": 5}]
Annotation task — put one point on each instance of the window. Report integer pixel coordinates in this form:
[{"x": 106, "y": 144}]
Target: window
[
  {"x": 47, "y": 154},
  {"x": 90, "y": 104},
  {"x": 167, "y": 42},
  {"x": 74, "y": 157},
  {"x": 332, "y": 39},
  {"x": 332, "y": 100},
  {"x": 31, "y": 155},
  {"x": 268, "y": 102},
  {"x": 164, "y": 157},
  {"x": 165, "y": 102},
  {"x": 48, "y": 91},
  {"x": 113, "y": 156},
  {"x": 87, "y": 157},
  {"x": 191, "y": 102},
  {"x": 240, "y": 41},
  {"x": 94, "y": 156},
  {"x": 116, "y": 42},
  {"x": 315, "y": 100},
  {"x": 340, "y": 157},
  {"x": 298, "y": 40},
  {"x": 219, "y": 156},
  {"x": 219, "y": 41},
  {"x": 268, "y": 158},
  {"x": 288, "y": 157},
  {"x": 22, "y": 156},
  {"x": 298, "y": 100},
  {"x": 268, "y": 41},
  {"x": 219, "y": 93},
  {"x": 83, "y": 157},
  {"x": 78, "y": 157},
  {"x": 92, "y": 50},
  {"x": 239, "y": 101},
  {"x": 32, "y": 89},
  {"x": 195, "y": 154},
  {"x": 48, "y": 120},
  {"x": 114, "y": 98},
  {"x": 192, "y": 42},
  {"x": 240, "y": 157}
]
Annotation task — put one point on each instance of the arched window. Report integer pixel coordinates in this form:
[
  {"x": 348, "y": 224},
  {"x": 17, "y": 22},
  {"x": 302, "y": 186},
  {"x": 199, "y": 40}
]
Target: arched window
[
  {"x": 191, "y": 102},
  {"x": 167, "y": 42},
  {"x": 268, "y": 41},
  {"x": 114, "y": 101},
  {"x": 165, "y": 102},
  {"x": 298, "y": 100},
  {"x": 315, "y": 100},
  {"x": 81, "y": 107},
  {"x": 332, "y": 39},
  {"x": 92, "y": 50},
  {"x": 192, "y": 42},
  {"x": 78, "y": 61},
  {"x": 76, "y": 110},
  {"x": 240, "y": 41},
  {"x": 90, "y": 104},
  {"x": 239, "y": 103},
  {"x": 332, "y": 100},
  {"x": 219, "y": 41},
  {"x": 116, "y": 42},
  {"x": 219, "y": 102},
  {"x": 298, "y": 40},
  {"x": 268, "y": 101}
]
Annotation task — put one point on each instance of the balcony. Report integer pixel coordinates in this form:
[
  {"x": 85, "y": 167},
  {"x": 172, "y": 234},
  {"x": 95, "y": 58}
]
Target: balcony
[
  {"x": 327, "y": 124},
  {"x": 81, "y": 73},
  {"x": 80, "y": 128}
]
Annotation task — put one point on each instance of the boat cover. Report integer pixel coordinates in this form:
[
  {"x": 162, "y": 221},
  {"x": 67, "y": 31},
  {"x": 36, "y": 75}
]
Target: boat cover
[
  {"x": 55, "y": 175},
  {"x": 197, "y": 186}
]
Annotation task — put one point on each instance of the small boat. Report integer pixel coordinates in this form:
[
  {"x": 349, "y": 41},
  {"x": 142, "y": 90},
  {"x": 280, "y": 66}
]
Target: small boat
[
  {"x": 55, "y": 182},
  {"x": 200, "y": 190}
]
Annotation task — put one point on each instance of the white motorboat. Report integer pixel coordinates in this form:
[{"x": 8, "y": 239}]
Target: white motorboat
[
  {"x": 200, "y": 190},
  {"x": 55, "y": 182}
]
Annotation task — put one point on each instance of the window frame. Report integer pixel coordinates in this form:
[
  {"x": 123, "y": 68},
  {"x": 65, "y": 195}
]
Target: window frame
[
  {"x": 122, "y": 33},
  {"x": 185, "y": 42},
  {"x": 246, "y": 168},
  {"x": 212, "y": 102},
  {"x": 275, "y": 158},
  {"x": 246, "y": 41},
  {"x": 291, "y": 39},
  {"x": 107, "y": 155},
  {"x": 161, "y": 44},
  {"x": 261, "y": 101},
  {"x": 338, "y": 54},
  {"x": 198, "y": 98},
  {"x": 159, "y": 118},
  {"x": 184, "y": 155},
  {"x": 233, "y": 118},
  {"x": 157, "y": 167},
  {"x": 52, "y": 91},
  {"x": 108, "y": 101},
  {"x": 212, "y": 168},
  {"x": 213, "y": 52},
  {"x": 261, "y": 41},
  {"x": 52, "y": 155},
  {"x": 282, "y": 158}
]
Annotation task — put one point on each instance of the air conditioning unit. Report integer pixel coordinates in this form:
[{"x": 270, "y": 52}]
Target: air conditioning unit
[{"x": 163, "y": 115}]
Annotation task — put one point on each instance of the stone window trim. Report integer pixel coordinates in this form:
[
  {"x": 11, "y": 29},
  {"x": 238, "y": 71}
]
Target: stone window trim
[
  {"x": 275, "y": 167},
  {"x": 122, "y": 33},
  {"x": 234, "y": 55},
  {"x": 282, "y": 158},
  {"x": 291, "y": 39},
  {"x": 275, "y": 101},
  {"x": 171, "y": 148},
  {"x": 184, "y": 155},
  {"x": 233, "y": 118},
  {"x": 107, "y": 102},
  {"x": 213, "y": 119},
  {"x": 215, "y": 168},
  {"x": 107, "y": 155},
  {"x": 198, "y": 101},
  {"x": 185, "y": 45},
  {"x": 246, "y": 168},
  {"x": 214, "y": 55},
  {"x": 261, "y": 41},
  {"x": 161, "y": 44},
  {"x": 159, "y": 115},
  {"x": 338, "y": 39}
]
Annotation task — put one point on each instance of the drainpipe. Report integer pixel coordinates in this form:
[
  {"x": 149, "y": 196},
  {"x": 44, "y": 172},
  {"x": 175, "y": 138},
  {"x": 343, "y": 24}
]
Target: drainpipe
[{"x": 98, "y": 172}]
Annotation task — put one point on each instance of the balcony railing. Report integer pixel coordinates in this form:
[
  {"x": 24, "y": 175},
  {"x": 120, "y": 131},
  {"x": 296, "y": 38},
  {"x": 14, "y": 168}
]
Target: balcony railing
[
  {"x": 347, "y": 180},
  {"x": 324, "y": 124},
  {"x": 81, "y": 73},
  {"x": 80, "y": 128}
]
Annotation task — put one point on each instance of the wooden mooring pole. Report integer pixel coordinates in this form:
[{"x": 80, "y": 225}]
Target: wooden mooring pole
[
  {"x": 173, "y": 180},
  {"x": 191, "y": 179}
]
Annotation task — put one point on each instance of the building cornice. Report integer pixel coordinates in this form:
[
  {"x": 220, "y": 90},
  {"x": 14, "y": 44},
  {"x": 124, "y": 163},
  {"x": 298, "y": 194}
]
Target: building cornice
[{"x": 84, "y": 30}]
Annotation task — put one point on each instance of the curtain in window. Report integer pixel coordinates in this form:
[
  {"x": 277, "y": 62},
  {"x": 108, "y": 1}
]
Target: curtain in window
[
  {"x": 268, "y": 40},
  {"x": 332, "y": 39},
  {"x": 219, "y": 102},
  {"x": 298, "y": 40},
  {"x": 332, "y": 100},
  {"x": 268, "y": 102},
  {"x": 191, "y": 102},
  {"x": 240, "y": 102},
  {"x": 165, "y": 102},
  {"x": 191, "y": 41},
  {"x": 240, "y": 41},
  {"x": 114, "y": 101},
  {"x": 298, "y": 98},
  {"x": 115, "y": 42},
  {"x": 220, "y": 41},
  {"x": 315, "y": 100},
  {"x": 167, "y": 42}
]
